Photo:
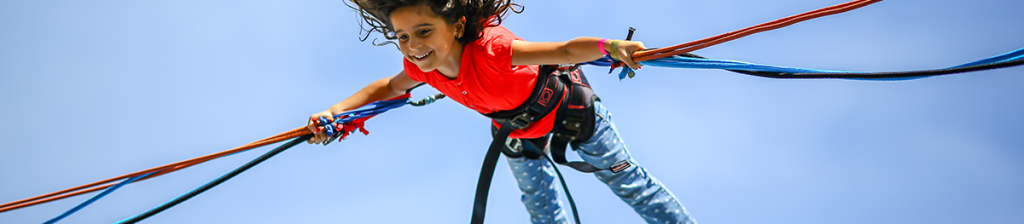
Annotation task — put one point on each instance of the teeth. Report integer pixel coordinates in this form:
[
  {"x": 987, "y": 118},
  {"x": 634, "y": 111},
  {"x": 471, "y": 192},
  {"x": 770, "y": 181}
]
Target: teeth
[{"x": 422, "y": 55}]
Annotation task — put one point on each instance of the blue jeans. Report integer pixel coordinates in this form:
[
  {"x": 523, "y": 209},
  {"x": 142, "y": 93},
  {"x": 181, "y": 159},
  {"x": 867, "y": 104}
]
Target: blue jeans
[{"x": 646, "y": 195}]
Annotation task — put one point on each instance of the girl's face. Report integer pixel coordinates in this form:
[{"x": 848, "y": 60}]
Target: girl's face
[{"x": 425, "y": 38}]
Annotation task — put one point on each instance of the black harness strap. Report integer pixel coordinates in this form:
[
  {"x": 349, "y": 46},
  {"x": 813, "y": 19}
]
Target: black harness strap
[
  {"x": 483, "y": 184},
  {"x": 574, "y": 123},
  {"x": 548, "y": 91}
]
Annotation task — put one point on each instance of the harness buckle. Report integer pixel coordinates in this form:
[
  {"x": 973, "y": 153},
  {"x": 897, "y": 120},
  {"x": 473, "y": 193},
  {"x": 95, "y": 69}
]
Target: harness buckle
[
  {"x": 521, "y": 121},
  {"x": 514, "y": 144},
  {"x": 571, "y": 128}
]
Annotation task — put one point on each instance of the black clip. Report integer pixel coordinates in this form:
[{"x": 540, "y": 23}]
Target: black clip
[
  {"x": 630, "y": 37},
  {"x": 521, "y": 121},
  {"x": 336, "y": 135}
]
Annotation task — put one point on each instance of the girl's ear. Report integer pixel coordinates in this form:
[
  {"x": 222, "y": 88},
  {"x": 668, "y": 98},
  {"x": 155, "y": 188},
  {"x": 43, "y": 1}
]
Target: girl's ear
[{"x": 460, "y": 26}]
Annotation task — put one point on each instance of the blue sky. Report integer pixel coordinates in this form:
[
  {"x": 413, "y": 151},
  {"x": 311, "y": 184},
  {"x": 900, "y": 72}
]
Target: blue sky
[{"x": 92, "y": 90}]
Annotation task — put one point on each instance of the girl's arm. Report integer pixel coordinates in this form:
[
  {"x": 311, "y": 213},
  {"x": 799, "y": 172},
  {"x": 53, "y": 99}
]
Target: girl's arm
[
  {"x": 578, "y": 50},
  {"x": 385, "y": 88}
]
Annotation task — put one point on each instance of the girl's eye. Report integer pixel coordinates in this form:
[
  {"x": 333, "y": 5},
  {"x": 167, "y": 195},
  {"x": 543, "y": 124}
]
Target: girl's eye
[
  {"x": 403, "y": 37},
  {"x": 424, "y": 32}
]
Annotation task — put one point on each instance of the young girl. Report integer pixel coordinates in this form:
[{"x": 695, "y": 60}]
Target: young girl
[{"x": 460, "y": 49}]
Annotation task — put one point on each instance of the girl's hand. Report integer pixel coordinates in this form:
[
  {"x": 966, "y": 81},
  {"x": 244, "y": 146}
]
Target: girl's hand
[
  {"x": 318, "y": 136},
  {"x": 624, "y": 51}
]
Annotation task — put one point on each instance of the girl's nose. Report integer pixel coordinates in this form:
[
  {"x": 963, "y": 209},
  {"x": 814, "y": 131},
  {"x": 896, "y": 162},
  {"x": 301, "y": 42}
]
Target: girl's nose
[{"x": 415, "y": 43}]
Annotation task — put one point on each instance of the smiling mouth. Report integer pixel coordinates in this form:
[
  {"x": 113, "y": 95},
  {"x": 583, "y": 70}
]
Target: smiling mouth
[{"x": 424, "y": 55}]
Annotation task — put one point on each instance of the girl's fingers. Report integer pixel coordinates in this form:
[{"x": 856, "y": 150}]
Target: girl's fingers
[
  {"x": 311, "y": 125},
  {"x": 631, "y": 48},
  {"x": 628, "y": 59},
  {"x": 315, "y": 125},
  {"x": 319, "y": 136},
  {"x": 632, "y": 64}
]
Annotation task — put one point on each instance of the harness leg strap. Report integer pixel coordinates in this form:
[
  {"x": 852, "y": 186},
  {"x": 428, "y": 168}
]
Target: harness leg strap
[
  {"x": 558, "y": 154},
  {"x": 483, "y": 184}
]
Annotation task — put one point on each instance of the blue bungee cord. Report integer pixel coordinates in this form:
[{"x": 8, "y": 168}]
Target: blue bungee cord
[
  {"x": 215, "y": 182},
  {"x": 364, "y": 112},
  {"x": 96, "y": 197},
  {"x": 1013, "y": 58}
]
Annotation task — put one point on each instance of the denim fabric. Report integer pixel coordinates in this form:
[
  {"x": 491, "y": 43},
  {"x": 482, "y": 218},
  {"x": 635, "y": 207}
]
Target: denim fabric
[{"x": 634, "y": 186}]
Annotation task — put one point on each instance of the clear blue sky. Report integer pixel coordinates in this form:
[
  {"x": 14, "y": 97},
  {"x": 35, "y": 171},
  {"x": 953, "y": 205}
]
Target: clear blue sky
[{"x": 95, "y": 89}]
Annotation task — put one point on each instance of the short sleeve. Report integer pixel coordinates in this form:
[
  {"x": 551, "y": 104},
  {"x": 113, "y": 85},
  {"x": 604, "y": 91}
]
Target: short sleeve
[{"x": 496, "y": 47}]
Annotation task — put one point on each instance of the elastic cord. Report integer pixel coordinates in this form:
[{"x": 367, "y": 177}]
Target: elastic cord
[
  {"x": 215, "y": 182},
  {"x": 96, "y": 197},
  {"x": 575, "y": 214}
]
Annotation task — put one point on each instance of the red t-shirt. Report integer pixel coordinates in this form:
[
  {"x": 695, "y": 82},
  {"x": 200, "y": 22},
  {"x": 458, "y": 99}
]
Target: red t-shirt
[{"x": 487, "y": 80}]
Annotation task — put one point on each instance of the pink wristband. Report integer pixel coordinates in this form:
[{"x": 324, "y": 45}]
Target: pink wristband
[{"x": 600, "y": 45}]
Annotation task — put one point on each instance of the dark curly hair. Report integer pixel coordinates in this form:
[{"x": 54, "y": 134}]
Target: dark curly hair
[{"x": 479, "y": 14}]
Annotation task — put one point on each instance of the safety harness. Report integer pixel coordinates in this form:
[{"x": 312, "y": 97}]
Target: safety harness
[{"x": 564, "y": 90}]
